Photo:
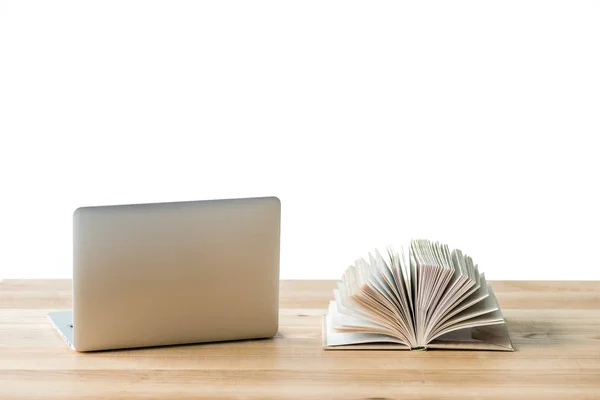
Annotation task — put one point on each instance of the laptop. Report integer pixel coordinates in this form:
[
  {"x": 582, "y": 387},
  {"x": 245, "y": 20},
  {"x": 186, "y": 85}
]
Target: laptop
[{"x": 173, "y": 273}]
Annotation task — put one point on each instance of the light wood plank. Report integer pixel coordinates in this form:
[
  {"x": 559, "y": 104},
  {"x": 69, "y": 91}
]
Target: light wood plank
[{"x": 554, "y": 327}]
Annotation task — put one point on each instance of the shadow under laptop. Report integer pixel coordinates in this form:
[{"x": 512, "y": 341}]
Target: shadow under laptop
[{"x": 224, "y": 347}]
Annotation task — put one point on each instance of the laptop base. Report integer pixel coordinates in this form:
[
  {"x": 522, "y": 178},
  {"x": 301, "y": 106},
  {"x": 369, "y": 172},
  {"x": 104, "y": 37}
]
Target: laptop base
[{"x": 63, "y": 322}]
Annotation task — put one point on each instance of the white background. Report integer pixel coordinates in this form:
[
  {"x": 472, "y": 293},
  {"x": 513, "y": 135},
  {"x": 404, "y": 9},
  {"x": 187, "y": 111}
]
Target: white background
[{"x": 469, "y": 122}]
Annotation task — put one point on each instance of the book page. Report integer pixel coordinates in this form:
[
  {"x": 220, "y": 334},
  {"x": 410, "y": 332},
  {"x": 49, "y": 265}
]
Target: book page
[
  {"x": 495, "y": 317},
  {"x": 343, "y": 324},
  {"x": 377, "y": 294},
  {"x": 398, "y": 292},
  {"x": 341, "y": 320},
  {"x": 473, "y": 285},
  {"x": 477, "y": 295},
  {"x": 362, "y": 290},
  {"x": 488, "y": 337},
  {"x": 334, "y": 338},
  {"x": 352, "y": 309},
  {"x": 458, "y": 285},
  {"x": 383, "y": 281},
  {"x": 445, "y": 272},
  {"x": 485, "y": 312}
]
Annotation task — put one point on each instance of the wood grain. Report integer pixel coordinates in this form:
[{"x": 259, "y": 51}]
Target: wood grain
[{"x": 554, "y": 326}]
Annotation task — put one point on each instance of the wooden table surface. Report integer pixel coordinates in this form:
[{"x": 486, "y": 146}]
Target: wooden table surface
[{"x": 554, "y": 326}]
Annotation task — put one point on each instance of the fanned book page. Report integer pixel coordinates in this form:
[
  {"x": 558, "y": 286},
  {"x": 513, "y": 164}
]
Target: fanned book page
[{"x": 423, "y": 297}]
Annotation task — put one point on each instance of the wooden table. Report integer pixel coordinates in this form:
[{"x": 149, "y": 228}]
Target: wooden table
[{"x": 555, "y": 328}]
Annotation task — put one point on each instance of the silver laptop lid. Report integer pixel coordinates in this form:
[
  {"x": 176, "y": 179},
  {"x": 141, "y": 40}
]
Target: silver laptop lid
[{"x": 173, "y": 273}]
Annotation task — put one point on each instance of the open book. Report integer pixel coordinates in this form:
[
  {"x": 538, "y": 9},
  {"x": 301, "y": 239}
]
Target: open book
[{"x": 427, "y": 297}]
